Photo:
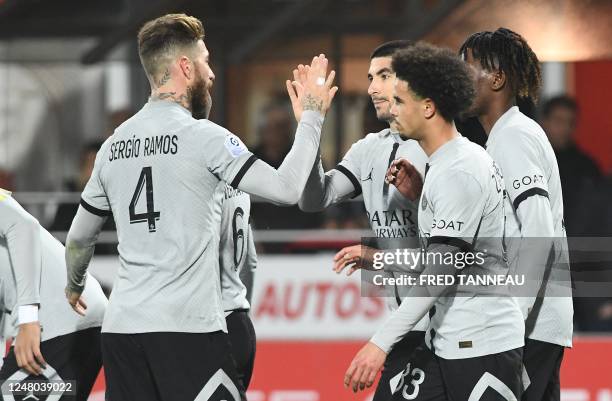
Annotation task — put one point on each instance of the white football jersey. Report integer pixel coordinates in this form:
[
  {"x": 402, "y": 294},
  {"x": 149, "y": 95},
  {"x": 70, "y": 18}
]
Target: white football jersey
[
  {"x": 159, "y": 175},
  {"x": 462, "y": 204},
  {"x": 55, "y": 314},
  {"x": 236, "y": 248},
  {"x": 390, "y": 214},
  {"x": 529, "y": 166}
]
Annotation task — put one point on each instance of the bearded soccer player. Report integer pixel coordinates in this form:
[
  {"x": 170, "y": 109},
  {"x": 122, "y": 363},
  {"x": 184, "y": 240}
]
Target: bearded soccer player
[
  {"x": 473, "y": 345},
  {"x": 362, "y": 171},
  {"x": 505, "y": 71},
  {"x": 52, "y": 344},
  {"x": 164, "y": 335}
]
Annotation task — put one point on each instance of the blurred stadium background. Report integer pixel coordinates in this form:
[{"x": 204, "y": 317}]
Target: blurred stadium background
[{"x": 69, "y": 74}]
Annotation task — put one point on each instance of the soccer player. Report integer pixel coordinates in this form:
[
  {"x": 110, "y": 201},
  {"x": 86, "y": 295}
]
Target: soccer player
[
  {"x": 238, "y": 260},
  {"x": 164, "y": 335},
  {"x": 362, "y": 171},
  {"x": 473, "y": 342},
  {"x": 505, "y": 70},
  {"x": 52, "y": 343}
]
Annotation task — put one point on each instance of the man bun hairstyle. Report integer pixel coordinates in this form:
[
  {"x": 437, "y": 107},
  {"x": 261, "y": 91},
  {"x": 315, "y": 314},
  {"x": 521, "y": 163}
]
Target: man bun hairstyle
[
  {"x": 159, "y": 39},
  {"x": 438, "y": 74}
]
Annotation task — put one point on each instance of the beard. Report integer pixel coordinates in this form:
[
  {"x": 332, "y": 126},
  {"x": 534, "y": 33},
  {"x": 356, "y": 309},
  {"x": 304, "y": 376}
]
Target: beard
[
  {"x": 200, "y": 99},
  {"x": 384, "y": 115}
]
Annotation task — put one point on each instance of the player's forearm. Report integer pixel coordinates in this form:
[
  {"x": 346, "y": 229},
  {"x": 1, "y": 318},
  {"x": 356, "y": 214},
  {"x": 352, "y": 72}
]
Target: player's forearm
[
  {"x": 80, "y": 245},
  {"x": 23, "y": 242},
  {"x": 324, "y": 189},
  {"x": 313, "y": 197},
  {"x": 285, "y": 185},
  {"x": 537, "y": 238},
  {"x": 22, "y": 235},
  {"x": 417, "y": 304}
]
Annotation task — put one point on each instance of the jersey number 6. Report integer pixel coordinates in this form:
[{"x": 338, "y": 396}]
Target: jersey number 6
[{"x": 238, "y": 236}]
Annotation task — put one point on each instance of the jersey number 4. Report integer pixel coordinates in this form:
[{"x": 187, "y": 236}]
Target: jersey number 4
[{"x": 150, "y": 216}]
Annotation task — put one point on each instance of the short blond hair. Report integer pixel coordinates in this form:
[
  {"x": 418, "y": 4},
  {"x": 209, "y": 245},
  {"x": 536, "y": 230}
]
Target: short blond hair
[{"x": 160, "y": 38}]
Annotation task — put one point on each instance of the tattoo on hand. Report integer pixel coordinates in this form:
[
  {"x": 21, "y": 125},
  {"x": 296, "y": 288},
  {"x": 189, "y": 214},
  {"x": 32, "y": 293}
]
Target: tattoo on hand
[{"x": 312, "y": 103}]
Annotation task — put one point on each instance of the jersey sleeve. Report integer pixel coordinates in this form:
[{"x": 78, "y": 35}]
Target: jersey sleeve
[
  {"x": 350, "y": 165},
  {"x": 80, "y": 244},
  {"x": 225, "y": 155},
  {"x": 419, "y": 301},
  {"x": 22, "y": 234},
  {"x": 458, "y": 205},
  {"x": 325, "y": 188},
  {"x": 93, "y": 197},
  {"x": 285, "y": 185},
  {"x": 522, "y": 168}
]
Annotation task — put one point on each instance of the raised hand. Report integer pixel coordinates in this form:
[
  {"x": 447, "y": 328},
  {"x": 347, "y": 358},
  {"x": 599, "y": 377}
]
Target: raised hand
[
  {"x": 406, "y": 178},
  {"x": 311, "y": 88}
]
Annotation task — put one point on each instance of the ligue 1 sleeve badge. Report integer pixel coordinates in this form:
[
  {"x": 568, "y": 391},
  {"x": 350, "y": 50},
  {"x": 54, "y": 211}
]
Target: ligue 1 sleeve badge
[
  {"x": 234, "y": 145},
  {"x": 424, "y": 202}
]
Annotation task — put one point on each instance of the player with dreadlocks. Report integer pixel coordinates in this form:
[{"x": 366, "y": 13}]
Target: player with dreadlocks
[{"x": 506, "y": 73}]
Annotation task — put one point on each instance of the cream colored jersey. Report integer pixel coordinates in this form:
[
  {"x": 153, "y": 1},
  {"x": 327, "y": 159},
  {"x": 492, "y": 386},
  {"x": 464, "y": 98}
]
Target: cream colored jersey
[
  {"x": 522, "y": 151},
  {"x": 48, "y": 279}
]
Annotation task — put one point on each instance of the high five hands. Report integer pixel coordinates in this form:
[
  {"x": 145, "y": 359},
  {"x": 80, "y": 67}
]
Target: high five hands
[{"x": 311, "y": 88}]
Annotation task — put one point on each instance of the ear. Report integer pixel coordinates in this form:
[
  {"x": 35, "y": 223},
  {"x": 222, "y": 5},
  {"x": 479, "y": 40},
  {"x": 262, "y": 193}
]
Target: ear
[
  {"x": 498, "y": 80},
  {"x": 186, "y": 67},
  {"x": 429, "y": 108}
]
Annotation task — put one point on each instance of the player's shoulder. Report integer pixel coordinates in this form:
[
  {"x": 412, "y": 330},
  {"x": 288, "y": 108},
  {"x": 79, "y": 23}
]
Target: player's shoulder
[
  {"x": 11, "y": 210},
  {"x": 360, "y": 149},
  {"x": 212, "y": 134},
  {"x": 454, "y": 180},
  {"x": 470, "y": 152},
  {"x": 208, "y": 128},
  {"x": 470, "y": 159},
  {"x": 374, "y": 138},
  {"x": 368, "y": 144},
  {"x": 104, "y": 148},
  {"x": 381, "y": 135},
  {"x": 520, "y": 130}
]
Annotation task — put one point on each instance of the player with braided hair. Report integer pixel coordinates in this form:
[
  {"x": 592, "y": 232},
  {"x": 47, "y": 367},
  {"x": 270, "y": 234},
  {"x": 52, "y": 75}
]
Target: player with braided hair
[
  {"x": 507, "y": 72},
  {"x": 509, "y": 52}
]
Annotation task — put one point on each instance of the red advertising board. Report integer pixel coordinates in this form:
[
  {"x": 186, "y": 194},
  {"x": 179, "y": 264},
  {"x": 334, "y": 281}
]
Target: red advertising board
[
  {"x": 310, "y": 323},
  {"x": 313, "y": 371}
]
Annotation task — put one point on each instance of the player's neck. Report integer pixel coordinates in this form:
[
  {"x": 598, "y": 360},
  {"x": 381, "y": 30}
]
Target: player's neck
[
  {"x": 172, "y": 94},
  {"x": 437, "y": 136},
  {"x": 496, "y": 109}
]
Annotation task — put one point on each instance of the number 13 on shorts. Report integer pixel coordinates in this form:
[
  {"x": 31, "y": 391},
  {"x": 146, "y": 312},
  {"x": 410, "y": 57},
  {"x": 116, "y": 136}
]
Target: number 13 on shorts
[{"x": 410, "y": 390}]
